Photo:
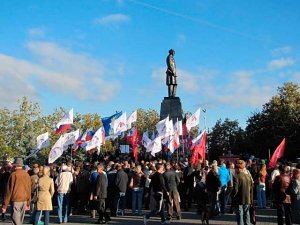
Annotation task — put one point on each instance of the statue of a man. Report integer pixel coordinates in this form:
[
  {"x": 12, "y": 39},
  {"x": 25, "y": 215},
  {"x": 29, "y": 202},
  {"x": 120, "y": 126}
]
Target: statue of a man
[{"x": 171, "y": 77}]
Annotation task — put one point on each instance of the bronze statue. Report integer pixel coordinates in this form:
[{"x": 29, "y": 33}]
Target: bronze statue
[{"x": 171, "y": 77}]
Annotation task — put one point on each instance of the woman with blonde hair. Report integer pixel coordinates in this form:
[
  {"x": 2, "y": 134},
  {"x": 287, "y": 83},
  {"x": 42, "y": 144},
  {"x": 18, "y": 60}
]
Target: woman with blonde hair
[
  {"x": 45, "y": 193},
  {"x": 261, "y": 187}
]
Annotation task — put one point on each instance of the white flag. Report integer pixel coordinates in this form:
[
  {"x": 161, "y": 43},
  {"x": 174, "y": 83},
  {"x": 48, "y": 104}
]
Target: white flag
[
  {"x": 193, "y": 120},
  {"x": 42, "y": 141},
  {"x": 97, "y": 140},
  {"x": 131, "y": 119},
  {"x": 178, "y": 127},
  {"x": 145, "y": 139},
  {"x": 32, "y": 153},
  {"x": 67, "y": 119},
  {"x": 119, "y": 125},
  {"x": 57, "y": 150},
  {"x": 70, "y": 138},
  {"x": 154, "y": 146},
  {"x": 170, "y": 127},
  {"x": 171, "y": 146},
  {"x": 163, "y": 127}
]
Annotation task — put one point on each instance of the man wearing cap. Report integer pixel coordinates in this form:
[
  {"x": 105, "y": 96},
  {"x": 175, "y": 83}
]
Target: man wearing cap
[{"x": 18, "y": 193}]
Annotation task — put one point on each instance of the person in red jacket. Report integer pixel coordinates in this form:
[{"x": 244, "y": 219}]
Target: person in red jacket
[{"x": 18, "y": 193}]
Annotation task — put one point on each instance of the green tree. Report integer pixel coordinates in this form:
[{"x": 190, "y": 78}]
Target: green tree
[
  {"x": 19, "y": 128},
  {"x": 280, "y": 117},
  {"x": 146, "y": 120},
  {"x": 225, "y": 137}
]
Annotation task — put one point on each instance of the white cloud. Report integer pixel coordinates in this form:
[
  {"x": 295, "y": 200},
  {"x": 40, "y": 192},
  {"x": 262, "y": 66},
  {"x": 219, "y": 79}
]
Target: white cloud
[
  {"x": 282, "y": 51},
  {"x": 37, "y": 32},
  {"x": 243, "y": 90},
  {"x": 113, "y": 19},
  {"x": 280, "y": 63},
  {"x": 58, "y": 70}
]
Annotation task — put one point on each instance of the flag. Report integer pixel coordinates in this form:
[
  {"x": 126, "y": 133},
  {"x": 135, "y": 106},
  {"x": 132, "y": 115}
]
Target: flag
[
  {"x": 176, "y": 141},
  {"x": 170, "y": 127},
  {"x": 32, "y": 153},
  {"x": 198, "y": 138},
  {"x": 184, "y": 130},
  {"x": 135, "y": 144},
  {"x": 153, "y": 136},
  {"x": 163, "y": 127},
  {"x": 89, "y": 134},
  {"x": 154, "y": 146},
  {"x": 42, "y": 141},
  {"x": 70, "y": 138},
  {"x": 131, "y": 119},
  {"x": 145, "y": 139},
  {"x": 119, "y": 124},
  {"x": 57, "y": 150},
  {"x": 107, "y": 122},
  {"x": 278, "y": 153},
  {"x": 193, "y": 120},
  {"x": 129, "y": 136},
  {"x": 97, "y": 140},
  {"x": 170, "y": 145},
  {"x": 65, "y": 123},
  {"x": 199, "y": 149},
  {"x": 178, "y": 127}
]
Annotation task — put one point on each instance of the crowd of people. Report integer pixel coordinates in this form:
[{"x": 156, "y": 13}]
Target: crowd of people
[{"x": 148, "y": 188}]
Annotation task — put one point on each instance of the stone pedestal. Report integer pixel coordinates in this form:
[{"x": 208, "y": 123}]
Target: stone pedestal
[{"x": 171, "y": 106}]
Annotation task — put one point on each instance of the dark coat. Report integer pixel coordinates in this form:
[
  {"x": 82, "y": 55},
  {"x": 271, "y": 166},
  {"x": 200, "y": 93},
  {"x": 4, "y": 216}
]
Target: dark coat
[
  {"x": 171, "y": 180},
  {"x": 158, "y": 183},
  {"x": 212, "y": 182},
  {"x": 280, "y": 186},
  {"x": 242, "y": 189},
  {"x": 101, "y": 187},
  {"x": 121, "y": 181}
]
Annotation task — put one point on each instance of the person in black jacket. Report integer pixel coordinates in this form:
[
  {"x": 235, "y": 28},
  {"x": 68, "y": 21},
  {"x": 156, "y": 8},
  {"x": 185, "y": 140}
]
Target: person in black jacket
[
  {"x": 121, "y": 183},
  {"x": 213, "y": 185},
  {"x": 112, "y": 189},
  {"x": 100, "y": 194},
  {"x": 158, "y": 190},
  {"x": 172, "y": 181},
  {"x": 188, "y": 185}
]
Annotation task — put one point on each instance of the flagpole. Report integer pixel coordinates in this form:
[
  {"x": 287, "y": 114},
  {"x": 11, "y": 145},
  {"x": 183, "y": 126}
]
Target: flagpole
[
  {"x": 204, "y": 111},
  {"x": 177, "y": 149}
]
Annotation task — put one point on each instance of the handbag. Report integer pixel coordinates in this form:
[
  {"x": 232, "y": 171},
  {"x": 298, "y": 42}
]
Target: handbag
[
  {"x": 252, "y": 214},
  {"x": 35, "y": 194}
]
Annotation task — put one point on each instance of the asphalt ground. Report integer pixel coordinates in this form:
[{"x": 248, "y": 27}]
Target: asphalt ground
[{"x": 263, "y": 217}]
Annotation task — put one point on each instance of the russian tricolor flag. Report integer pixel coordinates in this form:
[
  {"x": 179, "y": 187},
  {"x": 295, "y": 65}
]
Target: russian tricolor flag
[{"x": 65, "y": 123}]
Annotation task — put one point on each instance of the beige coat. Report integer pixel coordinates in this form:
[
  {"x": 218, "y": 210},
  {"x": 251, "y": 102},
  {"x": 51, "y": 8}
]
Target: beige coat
[{"x": 46, "y": 191}]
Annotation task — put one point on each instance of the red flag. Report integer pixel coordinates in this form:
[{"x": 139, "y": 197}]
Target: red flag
[
  {"x": 184, "y": 130},
  {"x": 278, "y": 153},
  {"x": 135, "y": 151},
  {"x": 199, "y": 149},
  {"x": 133, "y": 140}
]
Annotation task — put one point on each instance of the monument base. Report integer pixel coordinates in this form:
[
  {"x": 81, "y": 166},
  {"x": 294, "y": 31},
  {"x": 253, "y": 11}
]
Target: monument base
[{"x": 171, "y": 106}]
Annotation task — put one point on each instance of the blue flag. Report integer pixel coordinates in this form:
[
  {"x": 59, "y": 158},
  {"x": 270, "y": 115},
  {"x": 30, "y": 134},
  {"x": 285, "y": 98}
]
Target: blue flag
[{"x": 106, "y": 121}]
